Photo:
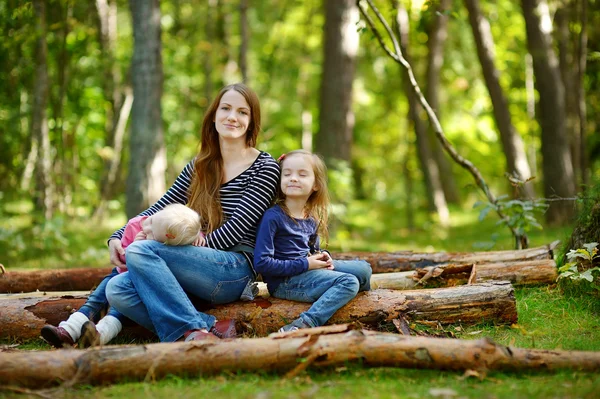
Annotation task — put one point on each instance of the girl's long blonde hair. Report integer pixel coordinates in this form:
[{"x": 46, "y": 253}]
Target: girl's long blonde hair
[
  {"x": 317, "y": 205},
  {"x": 204, "y": 195}
]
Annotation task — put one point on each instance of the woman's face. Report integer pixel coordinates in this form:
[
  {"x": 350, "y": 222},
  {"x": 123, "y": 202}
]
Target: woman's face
[{"x": 233, "y": 116}]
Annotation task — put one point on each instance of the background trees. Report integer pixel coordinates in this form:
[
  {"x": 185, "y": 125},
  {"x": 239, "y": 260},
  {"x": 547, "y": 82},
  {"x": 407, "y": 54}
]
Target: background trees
[{"x": 323, "y": 82}]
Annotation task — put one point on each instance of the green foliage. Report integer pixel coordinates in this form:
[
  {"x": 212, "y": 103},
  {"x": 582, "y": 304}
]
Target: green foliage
[
  {"x": 520, "y": 214},
  {"x": 580, "y": 266}
]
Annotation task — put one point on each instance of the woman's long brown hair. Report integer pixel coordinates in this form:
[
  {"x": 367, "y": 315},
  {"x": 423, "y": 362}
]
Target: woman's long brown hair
[{"x": 204, "y": 195}]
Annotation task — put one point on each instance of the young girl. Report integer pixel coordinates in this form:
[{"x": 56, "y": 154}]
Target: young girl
[
  {"x": 174, "y": 225},
  {"x": 287, "y": 251}
]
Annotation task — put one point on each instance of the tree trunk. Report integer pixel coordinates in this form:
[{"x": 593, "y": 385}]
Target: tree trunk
[
  {"x": 146, "y": 179},
  {"x": 39, "y": 122},
  {"x": 291, "y": 353},
  {"x": 492, "y": 302},
  {"x": 525, "y": 273},
  {"x": 384, "y": 262},
  {"x": 568, "y": 74},
  {"x": 530, "y": 272},
  {"x": 435, "y": 58},
  {"x": 340, "y": 45},
  {"x": 512, "y": 144},
  {"x": 119, "y": 108},
  {"x": 431, "y": 174},
  {"x": 244, "y": 37},
  {"x": 580, "y": 87},
  {"x": 557, "y": 166},
  {"x": 63, "y": 170}
]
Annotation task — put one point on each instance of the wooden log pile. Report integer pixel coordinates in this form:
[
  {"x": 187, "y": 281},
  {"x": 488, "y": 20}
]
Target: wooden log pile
[
  {"x": 289, "y": 353},
  {"x": 402, "y": 270},
  {"x": 22, "y": 316}
]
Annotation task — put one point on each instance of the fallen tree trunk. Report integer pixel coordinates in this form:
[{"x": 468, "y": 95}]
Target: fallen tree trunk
[
  {"x": 470, "y": 304},
  {"x": 528, "y": 272},
  {"x": 523, "y": 273},
  {"x": 383, "y": 262},
  {"x": 291, "y": 352}
]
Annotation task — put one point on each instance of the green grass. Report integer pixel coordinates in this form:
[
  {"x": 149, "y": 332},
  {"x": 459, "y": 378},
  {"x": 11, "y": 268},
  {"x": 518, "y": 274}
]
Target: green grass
[{"x": 548, "y": 319}]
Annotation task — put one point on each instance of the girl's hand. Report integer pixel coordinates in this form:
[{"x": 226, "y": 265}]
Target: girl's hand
[
  {"x": 320, "y": 261},
  {"x": 140, "y": 236},
  {"x": 200, "y": 241},
  {"x": 115, "y": 249}
]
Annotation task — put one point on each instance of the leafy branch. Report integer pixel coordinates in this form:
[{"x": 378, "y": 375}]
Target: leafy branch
[{"x": 396, "y": 55}]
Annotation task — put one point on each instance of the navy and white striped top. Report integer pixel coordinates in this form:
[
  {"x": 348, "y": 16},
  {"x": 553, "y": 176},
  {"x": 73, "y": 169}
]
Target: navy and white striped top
[{"x": 244, "y": 199}]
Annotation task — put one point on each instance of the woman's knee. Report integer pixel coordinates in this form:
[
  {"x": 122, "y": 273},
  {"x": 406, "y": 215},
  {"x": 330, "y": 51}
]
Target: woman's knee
[{"x": 140, "y": 253}]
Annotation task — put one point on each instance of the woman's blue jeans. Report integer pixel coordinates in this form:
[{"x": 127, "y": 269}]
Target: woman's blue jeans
[
  {"x": 153, "y": 292},
  {"x": 328, "y": 289}
]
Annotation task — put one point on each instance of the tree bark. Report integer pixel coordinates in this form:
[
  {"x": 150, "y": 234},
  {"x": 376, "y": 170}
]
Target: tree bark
[
  {"x": 429, "y": 167},
  {"x": 582, "y": 107},
  {"x": 568, "y": 73},
  {"x": 39, "y": 121},
  {"x": 435, "y": 58},
  {"x": 291, "y": 353},
  {"x": 146, "y": 179},
  {"x": 384, "y": 262},
  {"x": 340, "y": 45},
  {"x": 494, "y": 302},
  {"x": 119, "y": 101},
  {"x": 558, "y": 170},
  {"x": 244, "y": 38},
  {"x": 512, "y": 144},
  {"x": 531, "y": 272}
]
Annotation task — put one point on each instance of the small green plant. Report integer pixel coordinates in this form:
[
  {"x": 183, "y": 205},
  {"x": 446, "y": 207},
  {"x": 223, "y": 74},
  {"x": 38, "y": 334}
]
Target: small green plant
[
  {"x": 520, "y": 215},
  {"x": 581, "y": 264}
]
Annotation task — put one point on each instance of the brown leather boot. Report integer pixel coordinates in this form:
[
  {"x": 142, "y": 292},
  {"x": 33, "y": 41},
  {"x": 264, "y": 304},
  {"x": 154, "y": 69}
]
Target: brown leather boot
[
  {"x": 58, "y": 337},
  {"x": 224, "y": 329},
  {"x": 89, "y": 335}
]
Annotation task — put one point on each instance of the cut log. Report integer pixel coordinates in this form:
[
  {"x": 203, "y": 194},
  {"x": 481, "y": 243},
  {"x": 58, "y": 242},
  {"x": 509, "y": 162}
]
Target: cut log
[
  {"x": 291, "y": 353},
  {"x": 383, "y": 262},
  {"x": 80, "y": 279},
  {"x": 528, "y": 272},
  {"x": 22, "y": 316},
  {"x": 494, "y": 302}
]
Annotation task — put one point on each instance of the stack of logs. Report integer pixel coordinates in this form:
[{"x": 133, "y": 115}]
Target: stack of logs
[{"x": 467, "y": 288}]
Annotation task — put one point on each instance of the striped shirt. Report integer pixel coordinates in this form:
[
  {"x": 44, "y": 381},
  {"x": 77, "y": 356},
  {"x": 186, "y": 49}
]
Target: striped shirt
[{"x": 244, "y": 199}]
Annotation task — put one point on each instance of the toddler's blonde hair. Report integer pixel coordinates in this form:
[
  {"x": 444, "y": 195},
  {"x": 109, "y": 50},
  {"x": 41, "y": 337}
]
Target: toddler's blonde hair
[{"x": 184, "y": 224}]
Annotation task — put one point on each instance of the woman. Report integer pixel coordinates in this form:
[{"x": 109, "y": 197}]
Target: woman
[{"x": 230, "y": 184}]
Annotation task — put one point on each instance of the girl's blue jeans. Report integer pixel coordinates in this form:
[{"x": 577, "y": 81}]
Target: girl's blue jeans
[
  {"x": 153, "y": 292},
  {"x": 97, "y": 302},
  {"x": 328, "y": 289}
]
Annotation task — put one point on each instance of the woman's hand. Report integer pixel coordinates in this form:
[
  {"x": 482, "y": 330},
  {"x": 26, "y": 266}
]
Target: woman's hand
[
  {"x": 115, "y": 249},
  {"x": 320, "y": 261}
]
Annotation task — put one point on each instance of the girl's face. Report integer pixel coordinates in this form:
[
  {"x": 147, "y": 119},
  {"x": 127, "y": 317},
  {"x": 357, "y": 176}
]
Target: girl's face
[
  {"x": 155, "y": 227},
  {"x": 233, "y": 116},
  {"x": 297, "y": 177}
]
